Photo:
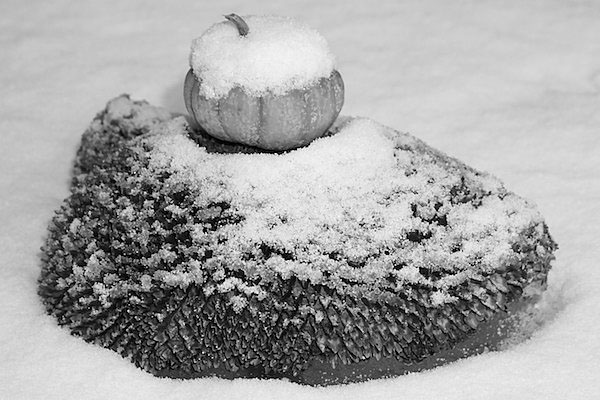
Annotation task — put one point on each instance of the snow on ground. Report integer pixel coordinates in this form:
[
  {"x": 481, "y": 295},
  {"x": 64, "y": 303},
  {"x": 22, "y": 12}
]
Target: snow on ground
[{"x": 509, "y": 87}]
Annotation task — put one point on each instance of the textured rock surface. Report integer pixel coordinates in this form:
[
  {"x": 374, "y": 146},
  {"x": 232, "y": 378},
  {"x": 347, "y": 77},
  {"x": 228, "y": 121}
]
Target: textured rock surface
[{"x": 132, "y": 263}]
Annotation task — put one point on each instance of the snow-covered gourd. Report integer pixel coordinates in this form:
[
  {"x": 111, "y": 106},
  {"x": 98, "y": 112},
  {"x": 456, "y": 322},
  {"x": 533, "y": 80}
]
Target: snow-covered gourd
[
  {"x": 192, "y": 259},
  {"x": 263, "y": 81}
]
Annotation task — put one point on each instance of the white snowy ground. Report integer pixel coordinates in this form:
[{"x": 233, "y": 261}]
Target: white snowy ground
[{"x": 510, "y": 87}]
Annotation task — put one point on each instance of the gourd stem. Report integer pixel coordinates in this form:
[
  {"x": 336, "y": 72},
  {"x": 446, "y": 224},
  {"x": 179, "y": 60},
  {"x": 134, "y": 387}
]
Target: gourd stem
[{"x": 239, "y": 23}]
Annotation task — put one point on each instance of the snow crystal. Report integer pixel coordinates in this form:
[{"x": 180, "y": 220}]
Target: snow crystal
[
  {"x": 142, "y": 117},
  {"x": 238, "y": 303},
  {"x": 438, "y": 298},
  {"x": 277, "y": 55},
  {"x": 146, "y": 282}
]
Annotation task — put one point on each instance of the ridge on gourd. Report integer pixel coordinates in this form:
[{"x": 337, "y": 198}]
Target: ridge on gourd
[{"x": 365, "y": 254}]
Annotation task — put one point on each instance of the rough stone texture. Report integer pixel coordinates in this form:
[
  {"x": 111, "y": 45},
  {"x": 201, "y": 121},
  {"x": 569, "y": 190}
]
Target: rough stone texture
[{"x": 117, "y": 218}]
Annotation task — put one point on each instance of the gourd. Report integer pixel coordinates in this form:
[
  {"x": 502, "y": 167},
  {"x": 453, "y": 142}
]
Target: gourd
[{"x": 269, "y": 120}]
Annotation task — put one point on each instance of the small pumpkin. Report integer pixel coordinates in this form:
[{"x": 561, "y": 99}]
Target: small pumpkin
[{"x": 269, "y": 119}]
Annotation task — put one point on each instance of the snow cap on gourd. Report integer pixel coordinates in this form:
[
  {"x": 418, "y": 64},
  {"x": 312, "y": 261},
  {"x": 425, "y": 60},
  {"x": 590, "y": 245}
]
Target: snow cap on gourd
[{"x": 276, "y": 54}]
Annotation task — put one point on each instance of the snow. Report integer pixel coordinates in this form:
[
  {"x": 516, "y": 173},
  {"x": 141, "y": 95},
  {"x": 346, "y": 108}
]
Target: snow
[
  {"x": 350, "y": 194},
  {"x": 511, "y": 88},
  {"x": 278, "y": 54}
]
